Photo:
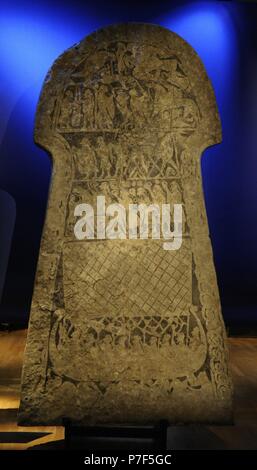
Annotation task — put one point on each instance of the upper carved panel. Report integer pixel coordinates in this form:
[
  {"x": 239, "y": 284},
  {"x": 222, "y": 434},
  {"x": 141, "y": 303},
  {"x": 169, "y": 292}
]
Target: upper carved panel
[{"x": 125, "y": 86}]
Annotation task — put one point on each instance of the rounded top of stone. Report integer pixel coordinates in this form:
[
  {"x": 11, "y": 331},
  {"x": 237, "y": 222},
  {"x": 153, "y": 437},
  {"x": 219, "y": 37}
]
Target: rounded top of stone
[{"x": 123, "y": 64}]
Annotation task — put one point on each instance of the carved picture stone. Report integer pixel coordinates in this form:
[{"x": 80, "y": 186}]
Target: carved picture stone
[{"x": 123, "y": 331}]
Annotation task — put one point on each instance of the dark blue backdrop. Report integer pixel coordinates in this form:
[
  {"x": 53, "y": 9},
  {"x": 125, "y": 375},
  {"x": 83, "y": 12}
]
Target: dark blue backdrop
[{"x": 32, "y": 35}]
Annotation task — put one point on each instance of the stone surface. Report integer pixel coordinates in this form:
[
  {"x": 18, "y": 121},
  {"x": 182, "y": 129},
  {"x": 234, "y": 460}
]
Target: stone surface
[{"x": 122, "y": 330}]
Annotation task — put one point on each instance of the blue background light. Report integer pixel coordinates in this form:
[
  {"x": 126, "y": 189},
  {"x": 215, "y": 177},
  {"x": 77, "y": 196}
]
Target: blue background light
[{"x": 32, "y": 36}]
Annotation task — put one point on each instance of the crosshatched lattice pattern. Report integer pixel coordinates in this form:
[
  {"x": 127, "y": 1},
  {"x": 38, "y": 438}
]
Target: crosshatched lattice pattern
[{"x": 109, "y": 279}]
